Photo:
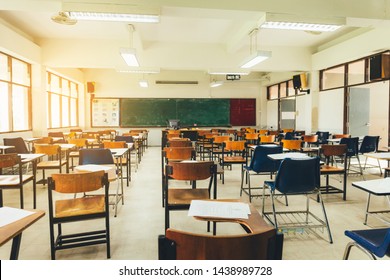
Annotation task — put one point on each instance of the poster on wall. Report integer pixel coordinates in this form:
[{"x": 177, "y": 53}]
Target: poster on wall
[{"x": 105, "y": 112}]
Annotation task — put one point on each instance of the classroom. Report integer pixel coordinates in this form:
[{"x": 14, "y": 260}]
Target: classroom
[{"x": 63, "y": 79}]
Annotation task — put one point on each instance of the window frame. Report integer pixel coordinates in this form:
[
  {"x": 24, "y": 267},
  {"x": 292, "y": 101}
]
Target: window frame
[
  {"x": 10, "y": 84},
  {"x": 66, "y": 94}
]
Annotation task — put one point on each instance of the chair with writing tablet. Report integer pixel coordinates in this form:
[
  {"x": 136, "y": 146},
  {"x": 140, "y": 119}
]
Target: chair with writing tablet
[
  {"x": 180, "y": 245},
  {"x": 69, "y": 202},
  {"x": 178, "y": 193},
  {"x": 15, "y": 180},
  {"x": 170, "y": 154}
]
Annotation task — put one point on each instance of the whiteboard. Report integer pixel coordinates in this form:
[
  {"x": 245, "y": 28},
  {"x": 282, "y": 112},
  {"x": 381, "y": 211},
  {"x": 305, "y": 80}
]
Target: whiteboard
[{"x": 104, "y": 112}]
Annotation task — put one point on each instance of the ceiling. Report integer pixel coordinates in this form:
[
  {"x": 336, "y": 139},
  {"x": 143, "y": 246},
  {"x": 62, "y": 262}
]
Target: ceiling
[{"x": 210, "y": 24}]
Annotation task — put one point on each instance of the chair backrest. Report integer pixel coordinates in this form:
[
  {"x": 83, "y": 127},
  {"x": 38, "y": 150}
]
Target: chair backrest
[
  {"x": 323, "y": 137},
  {"x": 219, "y": 139},
  {"x": 191, "y": 170},
  {"x": 235, "y": 146},
  {"x": 77, "y": 182},
  {"x": 179, "y": 143},
  {"x": 336, "y": 136},
  {"x": 294, "y": 145},
  {"x": 261, "y": 162},
  {"x": 47, "y": 149},
  {"x": 329, "y": 150},
  {"x": 56, "y": 134},
  {"x": 285, "y": 130},
  {"x": 252, "y": 136},
  {"x": 127, "y": 139},
  {"x": 18, "y": 143},
  {"x": 79, "y": 142},
  {"x": 178, "y": 153},
  {"x": 9, "y": 160},
  {"x": 95, "y": 156},
  {"x": 297, "y": 176},
  {"x": 385, "y": 248},
  {"x": 289, "y": 135},
  {"x": 191, "y": 134},
  {"x": 352, "y": 145},
  {"x": 310, "y": 138},
  {"x": 114, "y": 144},
  {"x": 263, "y": 131},
  {"x": 191, "y": 246},
  {"x": 369, "y": 144},
  {"x": 267, "y": 138}
]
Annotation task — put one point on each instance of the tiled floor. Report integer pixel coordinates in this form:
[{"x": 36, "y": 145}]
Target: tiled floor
[{"x": 140, "y": 220}]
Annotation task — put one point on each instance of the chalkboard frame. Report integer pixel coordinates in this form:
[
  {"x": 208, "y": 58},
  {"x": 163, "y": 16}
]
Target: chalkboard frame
[{"x": 223, "y": 104}]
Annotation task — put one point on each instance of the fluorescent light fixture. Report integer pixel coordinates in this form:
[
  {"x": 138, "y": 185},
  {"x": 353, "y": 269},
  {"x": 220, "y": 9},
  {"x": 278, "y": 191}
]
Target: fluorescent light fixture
[
  {"x": 216, "y": 83},
  {"x": 113, "y": 17},
  {"x": 139, "y": 70},
  {"x": 143, "y": 83},
  {"x": 300, "y": 26},
  {"x": 298, "y": 22},
  {"x": 129, "y": 56},
  {"x": 216, "y": 72},
  {"x": 256, "y": 58}
]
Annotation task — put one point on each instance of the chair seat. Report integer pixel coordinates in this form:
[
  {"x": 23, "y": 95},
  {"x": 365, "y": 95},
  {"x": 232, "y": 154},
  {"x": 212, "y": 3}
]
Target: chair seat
[
  {"x": 80, "y": 206},
  {"x": 13, "y": 180},
  {"x": 328, "y": 169},
  {"x": 184, "y": 196},
  {"x": 234, "y": 159},
  {"x": 372, "y": 240},
  {"x": 50, "y": 164},
  {"x": 74, "y": 154}
]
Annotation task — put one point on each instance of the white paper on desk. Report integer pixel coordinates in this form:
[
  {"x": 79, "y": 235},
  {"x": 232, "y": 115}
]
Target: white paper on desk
[
  {"x": 220, "y": 209},
  {"x": 9, "y": 215}
]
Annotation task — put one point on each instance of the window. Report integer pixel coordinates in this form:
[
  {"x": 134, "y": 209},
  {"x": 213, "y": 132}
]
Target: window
[
  {"x": 62, "y": 100},
  {"x": 281, "y": 90},
  {"x": 273, "y": 92},
  {"x": 15, "y": 94},
  {"x": 333, "y": 77},
  {"x": 356, "y": 72}
]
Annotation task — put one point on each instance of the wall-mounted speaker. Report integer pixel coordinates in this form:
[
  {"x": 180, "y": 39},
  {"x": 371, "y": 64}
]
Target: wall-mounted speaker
[
  {"x": 90, "y": 87},
  {"x": 380, "y": 66},
  {"x": 299, "y": 81}
]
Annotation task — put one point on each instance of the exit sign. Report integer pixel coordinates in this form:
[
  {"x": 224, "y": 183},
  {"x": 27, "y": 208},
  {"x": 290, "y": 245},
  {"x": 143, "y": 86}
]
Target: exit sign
[{"x": 233, "y": 77}]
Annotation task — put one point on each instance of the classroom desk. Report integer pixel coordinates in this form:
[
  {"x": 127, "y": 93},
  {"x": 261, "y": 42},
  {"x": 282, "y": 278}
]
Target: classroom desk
[
  {"x": 33, "y": 159},
  {"x": 119, "y": 154},
  {"x": 14, "y": 231},
  {"x": 378, "y": 187},
  {"x": 292, "y": 155},
  {"x": 4, "y": 148},
  {"x": 30, "y": 141},
  {"x": 379, "y": 156},
  {"x": 254, "y": 224}
]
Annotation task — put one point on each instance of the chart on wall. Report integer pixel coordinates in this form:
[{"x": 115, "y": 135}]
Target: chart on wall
[{"x": 105, "y": 112}]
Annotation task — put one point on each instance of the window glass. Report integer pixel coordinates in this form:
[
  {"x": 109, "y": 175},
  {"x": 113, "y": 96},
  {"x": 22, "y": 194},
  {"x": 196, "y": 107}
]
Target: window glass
[
  {"x": 356, "y": 72},
  {"x": 20, "y": 72},
  {"x": 290, "y": 88},
  {"x": 65, "y": 89},
  {"x": 73, "y": 112},
  {"x": 273, "y": 92},
  {"x": 283, "y": 90},
  {"x": 20, "y": 113},
  {"x": 65, "y": 111},
  {"x": 55, "y": 110},
  {"x": 4, "y": 116},
  {"x": 4, "y": 69},
  {"x": 54, "y": 84},
  {"x": 333, "y": 78}
]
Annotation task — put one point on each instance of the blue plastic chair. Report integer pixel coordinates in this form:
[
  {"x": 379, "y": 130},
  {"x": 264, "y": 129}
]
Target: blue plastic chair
[
  {"x": 352, "y": 151},
  {"x": 373, "y": 242},
  {"x": 297, "y": 177},
  {"x": 370, "y": 145},
  {"x": 260, "y": 164},
  {"x": 323, "y": 137}
]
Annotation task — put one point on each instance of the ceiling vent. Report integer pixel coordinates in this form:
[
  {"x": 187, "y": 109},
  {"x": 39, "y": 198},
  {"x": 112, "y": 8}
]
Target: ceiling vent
[{"x": 176, "y": 82}]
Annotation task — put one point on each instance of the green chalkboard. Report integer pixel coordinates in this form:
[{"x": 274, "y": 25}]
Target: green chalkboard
[{"x": 156, "y": 112}]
